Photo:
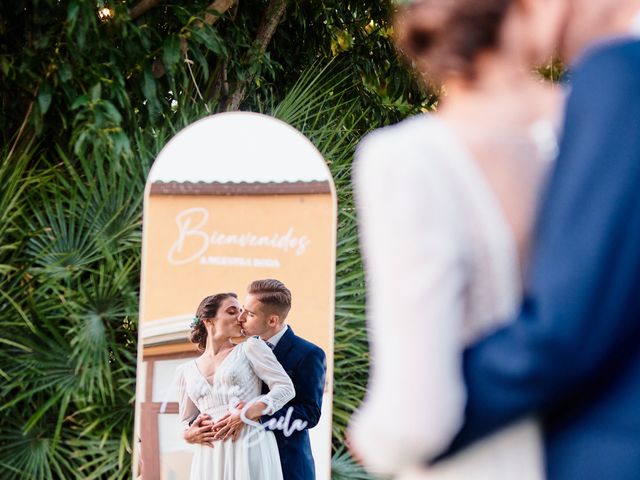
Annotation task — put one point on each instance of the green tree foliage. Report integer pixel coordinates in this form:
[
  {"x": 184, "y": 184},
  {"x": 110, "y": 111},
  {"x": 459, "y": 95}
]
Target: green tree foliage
[
  {"x": 88, "y": 70},
  {"x": 90, "y": 91}
]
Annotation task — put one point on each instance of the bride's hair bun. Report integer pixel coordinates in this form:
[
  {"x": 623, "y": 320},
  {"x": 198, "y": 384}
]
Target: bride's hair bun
[
  {"x": 443, "y": 38},
  {"x": 207, "y": 310}
]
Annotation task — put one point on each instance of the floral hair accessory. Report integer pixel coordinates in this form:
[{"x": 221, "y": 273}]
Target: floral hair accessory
[{"x": 195, "y": 322}]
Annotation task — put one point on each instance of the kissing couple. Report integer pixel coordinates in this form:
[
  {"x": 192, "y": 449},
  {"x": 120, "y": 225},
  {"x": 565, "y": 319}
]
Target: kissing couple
[{"x": 248, "y": 401}]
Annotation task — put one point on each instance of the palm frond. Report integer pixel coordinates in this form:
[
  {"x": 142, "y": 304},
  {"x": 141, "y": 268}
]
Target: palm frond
[{"x": 344, "y": 468}]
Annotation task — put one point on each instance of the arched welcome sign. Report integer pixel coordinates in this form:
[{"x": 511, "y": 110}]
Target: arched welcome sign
[{"x": 232, "y": 198}]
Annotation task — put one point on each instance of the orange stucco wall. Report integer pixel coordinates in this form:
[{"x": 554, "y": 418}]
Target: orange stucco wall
[{"x": 197, "y": 245}]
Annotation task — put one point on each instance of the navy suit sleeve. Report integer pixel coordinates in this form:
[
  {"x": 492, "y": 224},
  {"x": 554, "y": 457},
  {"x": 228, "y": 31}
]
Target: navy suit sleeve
[
  {"x": 309, "y": 378},
  {"x": 580, "y": 312}
]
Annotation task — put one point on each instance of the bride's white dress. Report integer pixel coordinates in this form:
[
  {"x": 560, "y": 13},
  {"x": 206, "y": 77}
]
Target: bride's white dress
[
  {"x": 254, "y": 456},
  {"x": 442, "y": 269}
]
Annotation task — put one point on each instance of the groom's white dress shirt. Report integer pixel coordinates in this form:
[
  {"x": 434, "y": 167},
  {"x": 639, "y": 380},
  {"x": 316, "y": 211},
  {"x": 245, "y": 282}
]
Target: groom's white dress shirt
[{"x": 273, "y": 341}]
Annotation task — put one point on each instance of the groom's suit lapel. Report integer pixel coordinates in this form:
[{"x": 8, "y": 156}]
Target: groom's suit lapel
[{"x": 284, "y": 345}]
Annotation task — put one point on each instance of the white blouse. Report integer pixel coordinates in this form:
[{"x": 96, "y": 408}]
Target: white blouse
[
  {"x": 238, "y": 378},
  {"x": 442, "y": 269}
]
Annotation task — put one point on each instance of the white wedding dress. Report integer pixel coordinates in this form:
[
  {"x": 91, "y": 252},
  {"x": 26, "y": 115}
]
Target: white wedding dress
[
  {"x": 442, "y": 268},
  {"x": 254, "y": 456}
]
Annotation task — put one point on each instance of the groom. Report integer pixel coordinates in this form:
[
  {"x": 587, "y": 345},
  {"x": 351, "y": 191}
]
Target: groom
[
  {"x": 266, "y": 307},
  {"x": 265, "y": 310},
  {"x": 573, "y": 353}
]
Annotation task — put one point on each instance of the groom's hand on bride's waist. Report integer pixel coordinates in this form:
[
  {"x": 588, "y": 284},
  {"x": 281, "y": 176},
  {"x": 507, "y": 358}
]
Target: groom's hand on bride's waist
[{"x": 200, "y": 431}]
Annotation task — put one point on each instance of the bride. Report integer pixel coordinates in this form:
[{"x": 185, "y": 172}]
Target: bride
[
  {"x": 446, "y": 203},
  {"x": 224, "y": 376}
]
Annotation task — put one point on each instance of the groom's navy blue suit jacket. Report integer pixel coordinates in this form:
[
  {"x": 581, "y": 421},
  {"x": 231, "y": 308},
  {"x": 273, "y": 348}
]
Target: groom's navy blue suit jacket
[
  {"x": 305, "y": 363},
  {"x": 573, "y": 353}
]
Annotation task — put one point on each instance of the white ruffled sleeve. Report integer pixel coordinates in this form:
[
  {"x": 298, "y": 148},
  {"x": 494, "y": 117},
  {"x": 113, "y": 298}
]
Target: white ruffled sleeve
[
  {"x": 187, "y": 410},
  {"x": 415, "y": 302},
  {"x": 269, "y": 370}
]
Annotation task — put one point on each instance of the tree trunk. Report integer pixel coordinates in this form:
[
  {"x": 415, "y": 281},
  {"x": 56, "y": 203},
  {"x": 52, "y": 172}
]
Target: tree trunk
[
  {"x": 142, "y": 7},
  {"x": 220, "y": 6},
  {"x": 272, "y": 16}
]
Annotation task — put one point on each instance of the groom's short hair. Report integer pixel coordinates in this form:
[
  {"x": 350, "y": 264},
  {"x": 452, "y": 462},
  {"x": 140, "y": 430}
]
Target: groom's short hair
[{"x": 273, "y": 294}]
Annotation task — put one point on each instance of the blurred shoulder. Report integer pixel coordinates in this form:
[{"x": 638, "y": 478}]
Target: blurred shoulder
[
  {"x": 397, "y": 136},
  {"x": 412, "y": 151},
  {"x": 613, "y": 61},
  {"x": 402, "y": 147}
]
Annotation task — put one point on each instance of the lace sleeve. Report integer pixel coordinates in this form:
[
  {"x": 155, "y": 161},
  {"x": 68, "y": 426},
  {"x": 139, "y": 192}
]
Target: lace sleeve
[
  {"x": 187, "y": 410},
  {"x": 415, "y": 291},
  {"x": 269, "y": 370}
]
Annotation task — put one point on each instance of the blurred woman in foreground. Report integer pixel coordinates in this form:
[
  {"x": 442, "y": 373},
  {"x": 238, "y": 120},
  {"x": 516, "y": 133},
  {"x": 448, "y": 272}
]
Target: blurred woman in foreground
[{"x": 446, "y": 203}]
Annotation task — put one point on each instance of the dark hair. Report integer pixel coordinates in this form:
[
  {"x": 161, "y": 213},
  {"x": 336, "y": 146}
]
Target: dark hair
[
  {"x": 207, "y": 309},
  {"x": 274, "y": 294},
  {"x": 444, "y": 37}
]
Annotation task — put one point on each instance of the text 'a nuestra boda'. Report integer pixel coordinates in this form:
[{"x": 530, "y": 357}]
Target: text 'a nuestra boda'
[
  {"x": 240, "y": 262},
  {"x": 194, "y": 240}
]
